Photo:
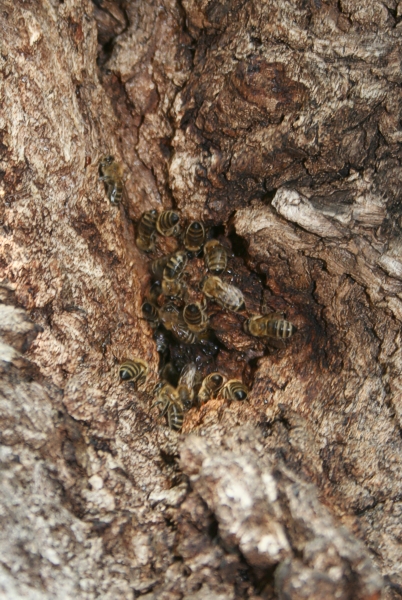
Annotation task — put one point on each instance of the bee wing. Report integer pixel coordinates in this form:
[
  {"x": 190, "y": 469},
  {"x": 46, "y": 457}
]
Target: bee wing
[
  {"x": 187, "y": 376},
  {"x": 275, "y": 343},
  {"x": 266, "y": 310},
  {"x": 233, "y": 295},
  {"x": 124, "y": 197}
]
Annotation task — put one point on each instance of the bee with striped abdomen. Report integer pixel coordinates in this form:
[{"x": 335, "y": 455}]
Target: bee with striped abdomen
[
  {"x": 226, "y": 295},
  {"x": 273, "y": 326},
  {"x": 134, "y": 370},
  {"x": 168, "y": 223},
  {"x": 112, "y": 175},
  {"x": 215, "y": 256},
  {"x": 234, "y": 390},
  {"x": 185, "y": 388},
  {"x": 146, "y": 231},
  {"x": 195, "y": 317},
  {"x": 169, "y": 406},
  {"x": 194, "y": 237},
  {"x": 211, "y": 384},
  {"x": 175, "y": 416},
  {"x": 175, "y": 266}
]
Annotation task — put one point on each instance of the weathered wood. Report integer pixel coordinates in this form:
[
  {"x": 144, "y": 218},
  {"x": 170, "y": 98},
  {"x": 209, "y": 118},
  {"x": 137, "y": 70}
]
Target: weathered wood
[{"x": 279, "y": 124}]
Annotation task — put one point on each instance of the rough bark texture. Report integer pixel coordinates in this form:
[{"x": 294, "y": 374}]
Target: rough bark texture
[{"x": 279, "y": 123}]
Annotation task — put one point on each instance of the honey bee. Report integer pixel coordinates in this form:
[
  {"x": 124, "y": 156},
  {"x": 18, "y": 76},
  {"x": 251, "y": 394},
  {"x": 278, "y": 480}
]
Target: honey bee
[
  {"x": 151, "y": 314},
  {"x": 211, "y": 384},
  {"x": 195, "y": 317},
  {"x": 272, "y": 326},
  {"x": 162, "y": 342},
  {"x": 169, "y": 316},
  {"x": 165, "y": 393},
  {"x": 168, "y": 223},
  {"x": 112, "y": 175},
  {"x": 226, "y": 295},
  {"x": 234, "y": 390},
  {"x": 169, "y": 405},
  {"x": 173, "y": 289},
  {"x": 194, "y": 236},
  {"x": 175, "y": 266},
  {"x": 182, "y": 333},
  {"x": 185, "y": 388},
  {"x": 146, "y": 231},
  {"x": 135, "y": 370},
  {"x": 215, "y": 256}
]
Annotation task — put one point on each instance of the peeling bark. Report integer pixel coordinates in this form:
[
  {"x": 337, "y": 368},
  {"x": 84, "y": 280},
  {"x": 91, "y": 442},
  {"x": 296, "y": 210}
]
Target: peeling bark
[{"x": 279, "y": 125}]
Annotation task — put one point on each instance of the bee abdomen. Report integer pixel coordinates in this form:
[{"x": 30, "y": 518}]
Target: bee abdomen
[
  {"x": 175, "y": 416},
  {"x": 281, "y": 329},
  {"x": 194, "y": 316},
  {"x": 195, "y": 236},
  {"x": 168, "y": 223},
  {"x": 234, "y": 390},
  {"x": 211, "y": 384},
  {"x": 146, "y": 230},
  {"x": 215, "y": 256},
  {"x": 133, "y": 370}
]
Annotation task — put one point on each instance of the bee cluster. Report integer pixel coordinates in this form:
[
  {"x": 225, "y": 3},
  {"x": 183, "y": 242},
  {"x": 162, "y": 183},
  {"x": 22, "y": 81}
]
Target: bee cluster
[
  {"x": 179, "y": 308},
  {"x": 179, "y": 313}
]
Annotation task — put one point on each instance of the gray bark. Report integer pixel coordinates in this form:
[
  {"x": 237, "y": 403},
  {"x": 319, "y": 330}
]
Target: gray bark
[{"x": 280, "y": 123}]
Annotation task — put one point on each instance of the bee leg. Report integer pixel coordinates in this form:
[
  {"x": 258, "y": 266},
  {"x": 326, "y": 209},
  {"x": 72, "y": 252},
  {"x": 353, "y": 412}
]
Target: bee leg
[
  {"x": 141, "y": 380},
  {"x": 164, "y": 409}
]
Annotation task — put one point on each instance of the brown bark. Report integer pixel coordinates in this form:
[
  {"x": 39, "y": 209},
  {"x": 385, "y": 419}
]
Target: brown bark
[{"x": 279, "y": 124}]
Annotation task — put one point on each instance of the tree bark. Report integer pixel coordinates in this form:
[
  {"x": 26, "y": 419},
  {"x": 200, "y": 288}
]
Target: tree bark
[{"x": 279, "y": 125}]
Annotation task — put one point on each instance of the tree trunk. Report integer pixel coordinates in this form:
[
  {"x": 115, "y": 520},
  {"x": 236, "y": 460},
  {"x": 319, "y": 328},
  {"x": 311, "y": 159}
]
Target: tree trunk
[{"x": 279, "y": 125}]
